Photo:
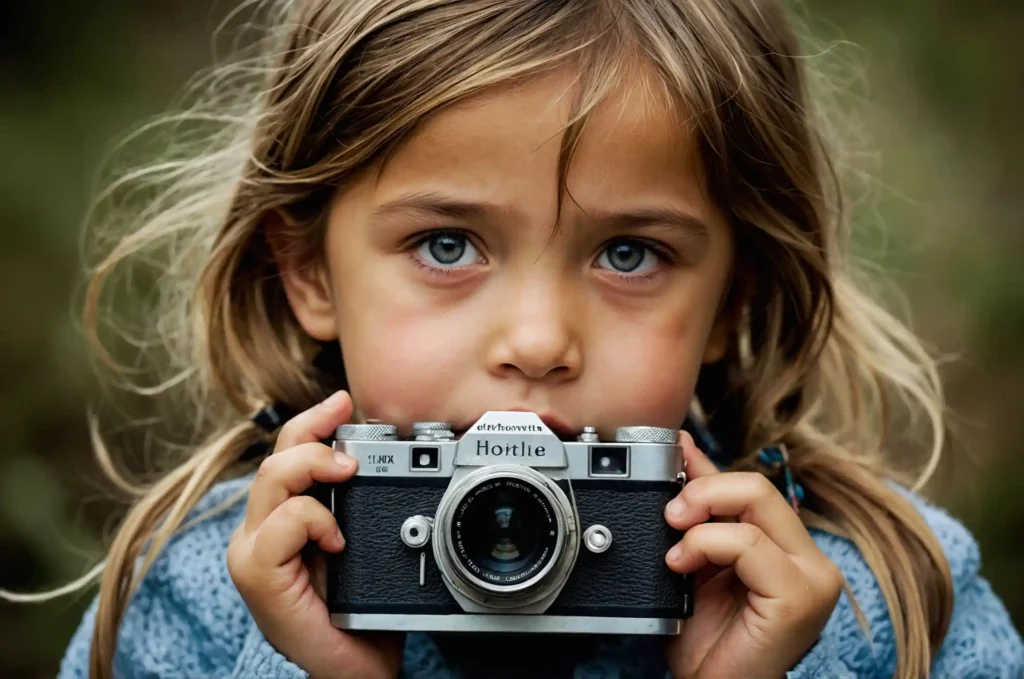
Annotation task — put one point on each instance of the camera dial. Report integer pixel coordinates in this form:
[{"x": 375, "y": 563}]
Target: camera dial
[{"x": 416, "y": 531}]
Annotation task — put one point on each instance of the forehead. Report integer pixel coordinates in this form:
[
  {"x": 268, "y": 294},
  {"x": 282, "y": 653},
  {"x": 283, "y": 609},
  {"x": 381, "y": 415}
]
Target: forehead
[{"x": 504, "y": 146}]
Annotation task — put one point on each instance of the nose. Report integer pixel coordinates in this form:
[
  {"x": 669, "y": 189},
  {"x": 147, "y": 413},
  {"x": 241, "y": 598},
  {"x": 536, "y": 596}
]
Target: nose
[{"x": 537, "y": 334}]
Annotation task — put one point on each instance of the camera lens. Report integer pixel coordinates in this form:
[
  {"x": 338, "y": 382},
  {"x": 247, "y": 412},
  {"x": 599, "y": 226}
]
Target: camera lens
[{"x": 505, "y": 531}]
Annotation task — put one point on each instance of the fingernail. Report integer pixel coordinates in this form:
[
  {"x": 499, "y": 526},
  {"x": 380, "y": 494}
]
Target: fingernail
[
  {"x": 341, "y": 539},
  {"x": 675, "y": 553},
  {"x": 343, "y": 460},
  {"x": 677, "y": 509}
]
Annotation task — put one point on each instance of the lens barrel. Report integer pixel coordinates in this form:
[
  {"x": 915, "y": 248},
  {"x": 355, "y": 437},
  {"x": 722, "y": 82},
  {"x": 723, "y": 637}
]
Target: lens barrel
[{"x": 506, "y": 536}]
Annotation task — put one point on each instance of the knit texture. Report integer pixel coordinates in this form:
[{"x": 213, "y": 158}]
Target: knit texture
[{"x": 188, "y": 620}]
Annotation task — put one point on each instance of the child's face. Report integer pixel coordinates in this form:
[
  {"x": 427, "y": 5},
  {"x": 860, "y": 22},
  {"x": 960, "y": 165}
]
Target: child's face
[{"x": 451, "y": 296}]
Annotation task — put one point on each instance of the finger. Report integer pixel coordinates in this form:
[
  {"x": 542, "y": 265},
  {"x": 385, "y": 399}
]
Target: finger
[
  {"x": 748, "y": 496},
  {"x": 759, "y": 563},
  {"x": 290, "y": 527},
  {"x": 290, "y": 472},
  {"x": 317, "y": 423},
  {"x": 717, "y": 575},
  {"x": 697, "y": 463}
]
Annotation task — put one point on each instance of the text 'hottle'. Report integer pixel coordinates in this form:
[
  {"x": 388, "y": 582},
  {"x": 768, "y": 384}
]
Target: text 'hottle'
[{"x": 521, "y": 449}]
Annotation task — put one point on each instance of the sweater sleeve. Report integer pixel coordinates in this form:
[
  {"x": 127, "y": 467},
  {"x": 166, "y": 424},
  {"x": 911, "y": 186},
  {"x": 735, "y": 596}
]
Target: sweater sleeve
[
  {"x": 823, "y": 660},
  {"x": 260, "y": 660},
  {"x": 143, "y": 655},
  {"x": 187, "y": 619},
  {"x": 981, "y": 641}
]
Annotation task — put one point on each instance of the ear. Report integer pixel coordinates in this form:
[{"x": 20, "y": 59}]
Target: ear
[
  {"x": 724, "y": 329},
  {"x": 306, "y": 284},
  {"x": 718, "y": 340}
]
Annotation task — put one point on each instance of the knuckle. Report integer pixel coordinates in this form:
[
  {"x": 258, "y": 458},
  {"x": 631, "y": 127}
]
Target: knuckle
[
  {"x": 694, "y": 489},
  {"x": 300, "y": 508},
  {"x": 833, "y": 578},
  {"x": 292, "y": 510},
  {"x": 698, "y": 533},
  {"x": 749, "y": 534},
  {"x": 760, "y": 486},
  {"x": 292, "y": 427},
  {"x": 312, "y": 454},
  {"x": 270, "y": 467},
  {"x": 236, "y": 560}
]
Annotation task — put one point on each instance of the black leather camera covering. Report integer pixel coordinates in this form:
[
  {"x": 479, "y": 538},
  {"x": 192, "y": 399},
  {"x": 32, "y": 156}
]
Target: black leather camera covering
[{"x": 377, "y": 573}]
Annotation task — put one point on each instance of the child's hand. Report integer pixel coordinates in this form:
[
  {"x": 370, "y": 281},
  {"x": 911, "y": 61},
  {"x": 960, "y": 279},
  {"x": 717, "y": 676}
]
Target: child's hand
[
  {"x": 265, "y": 562},
  {"x": 764, "y": 589}
]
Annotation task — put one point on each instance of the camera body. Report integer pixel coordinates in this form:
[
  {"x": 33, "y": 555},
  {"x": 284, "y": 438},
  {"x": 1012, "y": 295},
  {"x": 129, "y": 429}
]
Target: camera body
[{"x": 507, "y": 529}]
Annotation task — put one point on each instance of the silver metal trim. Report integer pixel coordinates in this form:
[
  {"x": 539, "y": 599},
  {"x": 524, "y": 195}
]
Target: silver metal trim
[
  {"x": 646, "y": 435},
  {"x": 596, "y": 450},
  {"x": 548, "y": 580},
  {"x": 647, "y": 461},
  {"x": 416, "y": 531},
  {"x": 541, "y": 624},
  {"x": 366, "y": 432},
  {"x": 412, "y": 459},
  {"x": 424, "y": 427},
  {"x": 431, "y": 431},
  {"x": 597, "y": 539}
]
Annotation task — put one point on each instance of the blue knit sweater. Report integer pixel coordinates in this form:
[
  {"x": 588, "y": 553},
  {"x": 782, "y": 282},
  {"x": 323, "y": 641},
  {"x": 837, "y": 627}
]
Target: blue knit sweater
[{"x": 187, "y": 620}]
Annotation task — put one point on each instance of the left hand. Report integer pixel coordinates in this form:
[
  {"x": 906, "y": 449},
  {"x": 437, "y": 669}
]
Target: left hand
[{"x": 764, "y": 589}]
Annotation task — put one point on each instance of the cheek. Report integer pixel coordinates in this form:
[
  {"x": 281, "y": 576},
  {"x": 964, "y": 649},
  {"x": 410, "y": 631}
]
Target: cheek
[
  {"x": 655, "y": 382},
  {"x": 651, "y": 360},
  {"x": 401, "y": 363}
]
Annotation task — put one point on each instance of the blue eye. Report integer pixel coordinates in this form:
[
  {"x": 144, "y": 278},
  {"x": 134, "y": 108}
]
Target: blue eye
[
  {"x": 628, "y": 256},
  {"x": 447, "y": 249}
]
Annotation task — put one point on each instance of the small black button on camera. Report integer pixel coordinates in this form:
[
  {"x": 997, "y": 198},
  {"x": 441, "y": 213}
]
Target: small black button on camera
[
  {"x": 425, "y": 459},
  {"x": 612, "y": 461}
]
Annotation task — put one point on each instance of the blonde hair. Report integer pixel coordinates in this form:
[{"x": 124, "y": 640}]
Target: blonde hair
[{"x": 815, "y": 362}]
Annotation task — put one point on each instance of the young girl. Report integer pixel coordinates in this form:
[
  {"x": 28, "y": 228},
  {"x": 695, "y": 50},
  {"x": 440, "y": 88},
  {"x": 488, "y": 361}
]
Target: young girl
[{"x": 603, "y": 211}]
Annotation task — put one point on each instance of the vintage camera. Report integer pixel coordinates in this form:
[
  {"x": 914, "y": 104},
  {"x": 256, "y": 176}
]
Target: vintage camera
[{"x": 507, "y": 529}]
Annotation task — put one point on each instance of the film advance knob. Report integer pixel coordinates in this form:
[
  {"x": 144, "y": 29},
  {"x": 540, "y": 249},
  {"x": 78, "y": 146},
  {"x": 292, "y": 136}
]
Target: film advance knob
[
  {"x": 366, "y": 432},
  {"x": 597, "y": 538},
  {"x": 429, "y": 431},
  {"x": 646, "y": 435},
  {"x": 416, "y": 531},
  {"x": 418, "y": 427}
]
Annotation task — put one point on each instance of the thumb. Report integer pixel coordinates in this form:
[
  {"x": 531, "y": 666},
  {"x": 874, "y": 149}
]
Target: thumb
[
  {"x": 696, "y": 463},
  {"x": 310, "y": 426}
]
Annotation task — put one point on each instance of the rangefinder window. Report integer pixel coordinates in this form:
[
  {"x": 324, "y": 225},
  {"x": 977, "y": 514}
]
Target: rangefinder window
[
  {"x": 609, "y": 461},
  {"x": 425, "y": 459}
]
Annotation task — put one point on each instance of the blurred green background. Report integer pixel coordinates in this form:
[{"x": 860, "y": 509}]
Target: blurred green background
[{"x": 936, "y": 87}]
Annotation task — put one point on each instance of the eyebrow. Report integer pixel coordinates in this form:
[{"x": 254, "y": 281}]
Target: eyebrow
[
  {"x": 443, "y": 206},
  {"x": 447, "y": 207},
  {"x": 668, "y": 217}
]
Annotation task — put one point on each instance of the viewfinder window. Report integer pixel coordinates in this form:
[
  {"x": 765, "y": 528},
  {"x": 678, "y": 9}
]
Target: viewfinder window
[
  {"x": 609, "y": 461},
  {"x": 425, "y": 459}
]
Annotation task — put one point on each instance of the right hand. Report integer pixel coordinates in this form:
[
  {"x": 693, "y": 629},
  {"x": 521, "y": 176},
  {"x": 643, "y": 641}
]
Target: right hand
[{"x": 265, "y": 554}]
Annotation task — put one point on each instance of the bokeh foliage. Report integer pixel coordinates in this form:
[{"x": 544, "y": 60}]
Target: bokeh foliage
[{"x": 934, "y": 84}]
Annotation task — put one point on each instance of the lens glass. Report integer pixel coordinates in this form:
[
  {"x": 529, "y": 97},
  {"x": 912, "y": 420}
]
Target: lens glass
[{"x": 505, "y": 531}]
